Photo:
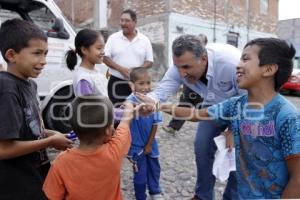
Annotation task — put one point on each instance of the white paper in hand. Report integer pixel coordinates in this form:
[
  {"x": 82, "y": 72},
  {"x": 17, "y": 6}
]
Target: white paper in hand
[{"x": 224, "y": 160}]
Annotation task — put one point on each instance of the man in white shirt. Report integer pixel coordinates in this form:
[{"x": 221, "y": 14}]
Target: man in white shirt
[
  {"x": 187, "y": 98},
  {"x": 124, "y": 50},
  {"x": 210, "y": 71}
]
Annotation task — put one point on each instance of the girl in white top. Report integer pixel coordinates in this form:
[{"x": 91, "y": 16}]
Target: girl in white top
[{"x": 88, "y": 79}]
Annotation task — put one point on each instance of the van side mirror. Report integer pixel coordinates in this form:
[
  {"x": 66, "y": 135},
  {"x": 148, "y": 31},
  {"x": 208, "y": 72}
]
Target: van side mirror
[{"x": 58, "y": 30}]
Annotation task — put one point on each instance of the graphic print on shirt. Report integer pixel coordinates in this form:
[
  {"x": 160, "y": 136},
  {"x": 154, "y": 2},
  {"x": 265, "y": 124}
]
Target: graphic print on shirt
[
  {"x": 261, "y": 159},
  {"x": 32, "y": 121},
  {"x": 254, "y": 129}
]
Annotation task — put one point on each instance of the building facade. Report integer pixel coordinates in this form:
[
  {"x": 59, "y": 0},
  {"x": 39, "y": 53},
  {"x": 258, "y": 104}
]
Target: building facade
[
  {"x": 225, "y": 21},
  {"x": 289, "y": 30}
]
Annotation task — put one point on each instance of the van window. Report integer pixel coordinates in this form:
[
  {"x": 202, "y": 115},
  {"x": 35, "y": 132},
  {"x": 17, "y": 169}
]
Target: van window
[
  {"x": 36, "y": 12},
  {"x": 42, "y": 17}
]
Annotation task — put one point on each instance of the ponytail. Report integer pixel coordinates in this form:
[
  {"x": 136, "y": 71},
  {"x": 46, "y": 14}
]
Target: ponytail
[
  {"x": 71, "y": 59},
  {"x": 84, "y": 38}
]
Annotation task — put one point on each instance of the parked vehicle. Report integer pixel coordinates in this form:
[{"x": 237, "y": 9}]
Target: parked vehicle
[
  {"x": 55, "y": 83},
  {"x": 293, "y": 84}
]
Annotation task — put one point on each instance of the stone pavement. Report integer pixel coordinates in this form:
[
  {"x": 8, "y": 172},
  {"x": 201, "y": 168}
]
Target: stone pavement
[{"x": 177, "y": 164}]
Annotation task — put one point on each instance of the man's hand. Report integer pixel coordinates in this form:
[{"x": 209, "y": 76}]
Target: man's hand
[
  {"x": 125, "y": 72},
  {"x": 145, "y": 99}
]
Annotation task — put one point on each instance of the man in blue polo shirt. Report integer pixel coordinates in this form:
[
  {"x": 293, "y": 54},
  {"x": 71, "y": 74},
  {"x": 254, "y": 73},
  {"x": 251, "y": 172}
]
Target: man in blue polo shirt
[{"x": 211, "y": 72}]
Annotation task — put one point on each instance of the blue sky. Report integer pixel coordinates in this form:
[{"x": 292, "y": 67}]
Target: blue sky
[{"x": 289, "y": 9}]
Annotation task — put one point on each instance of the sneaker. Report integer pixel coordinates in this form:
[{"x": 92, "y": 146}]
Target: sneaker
[
  {"x": 169, "y": 129},
  {"x": 157, "y": 197}
]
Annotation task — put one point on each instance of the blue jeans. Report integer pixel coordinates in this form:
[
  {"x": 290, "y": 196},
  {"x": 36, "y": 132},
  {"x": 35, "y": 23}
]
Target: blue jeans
[
  {"x": 148, "y": 175},
  {"x": 205, "y": 149}
]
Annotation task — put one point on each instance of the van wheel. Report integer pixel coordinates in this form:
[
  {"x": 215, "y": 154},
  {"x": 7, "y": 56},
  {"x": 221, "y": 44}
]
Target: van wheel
[{"x": 56, "y": 115}]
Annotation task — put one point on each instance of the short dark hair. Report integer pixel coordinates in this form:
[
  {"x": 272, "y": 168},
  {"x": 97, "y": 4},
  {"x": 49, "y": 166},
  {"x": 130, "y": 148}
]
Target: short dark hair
[
  {"x": 189, "y": 43},
  {"x": 84, "y": 38},
  {"x": 16, "y": 33},
  {"x": 136, "y": 72},
  {"x": 275, "y": 51},
  {"x": 131, "y": 13},
  {"x": 91, "y": 116}
]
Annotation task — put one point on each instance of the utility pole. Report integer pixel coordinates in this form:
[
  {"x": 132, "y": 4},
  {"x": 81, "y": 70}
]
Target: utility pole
[
  {"x": 100, "y": 14},
  {"x": 248, "y": 20},
  {"x": 215, "y": 20}
]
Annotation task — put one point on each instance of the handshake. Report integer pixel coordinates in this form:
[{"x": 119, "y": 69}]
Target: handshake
[
  {"x": 142, "y": 106},
  {"x": 148, "y": 105}
]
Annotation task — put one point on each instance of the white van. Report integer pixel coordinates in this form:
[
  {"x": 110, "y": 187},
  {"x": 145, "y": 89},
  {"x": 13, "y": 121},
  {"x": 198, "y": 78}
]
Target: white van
[{"x": 55, "y": 82}]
